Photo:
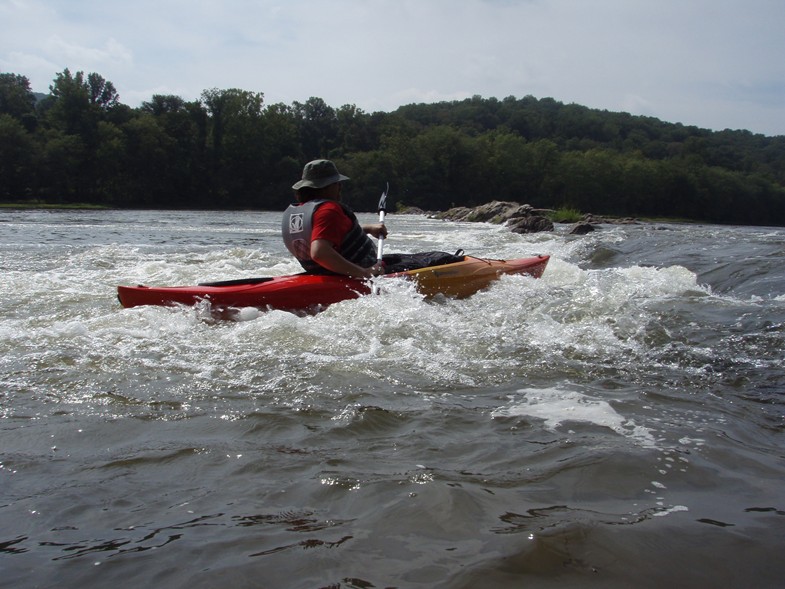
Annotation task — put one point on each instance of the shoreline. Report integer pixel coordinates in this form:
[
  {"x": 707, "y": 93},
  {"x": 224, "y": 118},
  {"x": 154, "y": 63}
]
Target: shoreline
[{"x": 597, "y": 219}]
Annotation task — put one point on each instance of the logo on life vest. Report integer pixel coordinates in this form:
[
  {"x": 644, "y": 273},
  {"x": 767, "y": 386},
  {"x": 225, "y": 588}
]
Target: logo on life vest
[
  {"x": 296, "y": 223},
  {"x": 301, "y": 249}
]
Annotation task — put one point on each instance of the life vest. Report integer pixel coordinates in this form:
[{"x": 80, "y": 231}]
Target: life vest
[{"x": 297, "y": 226}]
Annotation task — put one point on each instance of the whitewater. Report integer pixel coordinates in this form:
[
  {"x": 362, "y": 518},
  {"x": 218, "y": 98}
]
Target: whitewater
[{"x": 618, "y": 422}]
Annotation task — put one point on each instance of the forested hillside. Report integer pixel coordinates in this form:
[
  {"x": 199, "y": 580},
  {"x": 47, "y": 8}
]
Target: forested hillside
[{"x": 231, "y": 150}]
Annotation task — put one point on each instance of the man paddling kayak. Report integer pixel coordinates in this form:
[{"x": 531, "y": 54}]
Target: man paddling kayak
[
  {"x": 322, "y": 232},
  {"x": 328, "y": 240}
]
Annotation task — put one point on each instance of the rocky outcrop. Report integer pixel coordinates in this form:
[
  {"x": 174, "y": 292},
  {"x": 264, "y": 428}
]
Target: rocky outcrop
[
  {"x": 582, "y": 228},
  {"x": 524, "y": 218},
  {"x": 530, "y": 224},
  {"x": 597, "y": 220},
  {"x": 412, "y": 211},
  {"x": 519, "y": 218}
]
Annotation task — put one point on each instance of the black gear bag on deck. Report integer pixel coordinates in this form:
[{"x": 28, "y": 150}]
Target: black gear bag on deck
[{"x": 401, "y": 262}]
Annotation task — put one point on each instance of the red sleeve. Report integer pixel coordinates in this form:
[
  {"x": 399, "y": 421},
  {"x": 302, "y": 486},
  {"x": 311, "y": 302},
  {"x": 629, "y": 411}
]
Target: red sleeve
[{"x": 330, "y": 223}]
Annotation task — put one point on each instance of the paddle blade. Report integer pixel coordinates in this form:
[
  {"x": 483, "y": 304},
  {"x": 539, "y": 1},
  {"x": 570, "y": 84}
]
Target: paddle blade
[{"x": 383, "y": 200}]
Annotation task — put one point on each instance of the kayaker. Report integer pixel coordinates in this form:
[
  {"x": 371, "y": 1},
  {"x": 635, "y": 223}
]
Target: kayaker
[{"x": 322, "y": 232}]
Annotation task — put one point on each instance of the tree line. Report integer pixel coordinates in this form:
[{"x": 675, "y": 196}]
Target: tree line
[{"x": 229, "y": 149}]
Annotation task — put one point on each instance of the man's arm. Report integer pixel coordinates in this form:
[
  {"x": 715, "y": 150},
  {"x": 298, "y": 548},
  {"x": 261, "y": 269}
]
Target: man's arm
[
  {"x": 324, "y": 254},
  {"x": 376, "y": 230}
]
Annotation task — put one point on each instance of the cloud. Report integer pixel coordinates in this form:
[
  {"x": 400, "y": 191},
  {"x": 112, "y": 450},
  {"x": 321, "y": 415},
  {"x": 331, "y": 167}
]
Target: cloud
[
  {"x": 20, "y": 62},
  {"x": 711, "y": 63},
  {"x": 111, "y": 53}
]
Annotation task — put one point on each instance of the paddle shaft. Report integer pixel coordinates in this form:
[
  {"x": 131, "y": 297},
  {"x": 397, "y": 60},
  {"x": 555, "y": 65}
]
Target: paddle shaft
[
  {"x": 380, "y": 244},
  {"x": 382, "y": 211}
]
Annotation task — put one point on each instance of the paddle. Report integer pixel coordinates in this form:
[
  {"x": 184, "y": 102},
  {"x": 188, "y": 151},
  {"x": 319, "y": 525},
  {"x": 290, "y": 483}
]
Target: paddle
[
  {"x": 382, "y": 211},
  {"x": 380, "y": 246}
]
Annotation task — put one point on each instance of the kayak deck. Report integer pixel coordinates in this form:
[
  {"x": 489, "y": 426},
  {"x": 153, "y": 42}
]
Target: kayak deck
[
  {"x": 307, "y": 292},
  {"x": 463, "y": 279}
]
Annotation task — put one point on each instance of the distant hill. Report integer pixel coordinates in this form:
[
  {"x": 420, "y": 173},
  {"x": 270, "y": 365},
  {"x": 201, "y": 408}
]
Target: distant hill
[{"x": 230, "y": 149}]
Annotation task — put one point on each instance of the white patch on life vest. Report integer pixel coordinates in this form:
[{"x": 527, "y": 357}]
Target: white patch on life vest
[{"x": 296, "y": 223}]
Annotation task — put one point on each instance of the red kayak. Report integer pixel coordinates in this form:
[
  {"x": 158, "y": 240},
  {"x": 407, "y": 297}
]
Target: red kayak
[{"x": 312, "y": 292}]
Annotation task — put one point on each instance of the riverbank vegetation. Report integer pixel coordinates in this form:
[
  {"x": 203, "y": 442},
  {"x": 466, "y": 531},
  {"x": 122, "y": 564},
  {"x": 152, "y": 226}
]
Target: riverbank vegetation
[{"x": 228, "y": 149}]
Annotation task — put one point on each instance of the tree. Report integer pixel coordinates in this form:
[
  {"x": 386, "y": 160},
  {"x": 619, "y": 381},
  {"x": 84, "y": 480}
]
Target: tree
[
  {"x": 70, "y": 108},
  {"x": 162, "y": 104},
  {"x": 225, "y": 105},
  {"x": 282, "y": 160},
  {"x": 353, "y": 130},
  {"x": 230, "y": 150},
  {"x": 149, "y": 163},
  {"x": 186, "y": 124},
  {"x": 78, "y": 104},
  {"x": 17, "y": 158},
  {"x": 101, "y": 92},
  {"x": 318, "y": 128},
  {"x": 16, "y": 97},
  {"x": 236, "y": 130},
  {"x": 63, "y": 159},
  {"x": 444, "y": 168},
  {"x": 111, "y": 159}
]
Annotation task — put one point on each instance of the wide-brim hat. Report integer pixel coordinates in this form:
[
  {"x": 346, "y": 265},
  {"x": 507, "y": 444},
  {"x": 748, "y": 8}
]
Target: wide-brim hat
[{"x": 318, "y": 174}]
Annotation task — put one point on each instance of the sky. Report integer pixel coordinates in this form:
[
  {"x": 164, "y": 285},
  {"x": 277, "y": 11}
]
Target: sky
[{"x": 715, "y": 64}]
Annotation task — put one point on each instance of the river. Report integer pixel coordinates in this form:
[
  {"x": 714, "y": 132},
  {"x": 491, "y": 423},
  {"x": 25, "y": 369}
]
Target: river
[{"x": 618, "y": 422}]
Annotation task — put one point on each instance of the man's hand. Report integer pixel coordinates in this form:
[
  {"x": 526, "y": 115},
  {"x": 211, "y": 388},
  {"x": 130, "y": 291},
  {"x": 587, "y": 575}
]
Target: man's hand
[
  {"x": 376, "y": 269},
  {"x": 376, "y": 230},
  {"x": 324, "y": 254}
]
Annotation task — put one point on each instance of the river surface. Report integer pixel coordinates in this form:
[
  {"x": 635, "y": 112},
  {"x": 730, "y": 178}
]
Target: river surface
[{"x": 619, "y": 422}]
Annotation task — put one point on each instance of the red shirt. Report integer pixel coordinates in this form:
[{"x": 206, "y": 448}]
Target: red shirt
[{"x": 330, "y": 223}]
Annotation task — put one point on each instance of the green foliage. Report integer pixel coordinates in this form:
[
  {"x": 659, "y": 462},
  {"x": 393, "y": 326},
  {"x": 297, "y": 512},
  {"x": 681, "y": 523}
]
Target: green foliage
[
  {"x": 16, "y": 97},
  {"x": 229, "y": 150},
  {"x": 565, "y": 215},
  {"x": 17, "y": 158}
]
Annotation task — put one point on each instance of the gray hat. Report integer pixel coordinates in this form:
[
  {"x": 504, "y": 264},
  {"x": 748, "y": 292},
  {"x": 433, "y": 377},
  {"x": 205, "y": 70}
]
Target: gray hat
[{"x": 318, "y": 174}]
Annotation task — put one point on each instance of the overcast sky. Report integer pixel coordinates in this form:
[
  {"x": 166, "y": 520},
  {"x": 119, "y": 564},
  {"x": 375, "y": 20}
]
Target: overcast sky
[{"x": 712, "y": 63}]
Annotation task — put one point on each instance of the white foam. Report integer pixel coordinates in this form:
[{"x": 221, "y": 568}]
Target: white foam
[
  {"x": 671, "y": 510},
  {"x": 556, "y": 406}
]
